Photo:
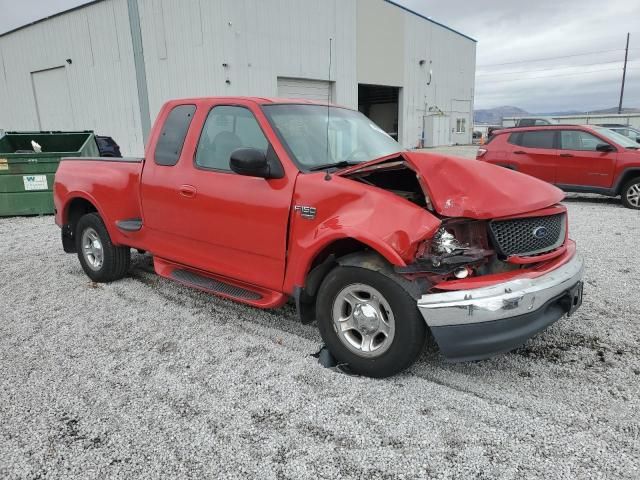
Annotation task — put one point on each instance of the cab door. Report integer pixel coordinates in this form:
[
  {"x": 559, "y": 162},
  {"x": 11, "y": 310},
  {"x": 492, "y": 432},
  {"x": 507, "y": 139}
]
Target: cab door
[
  {"x": 236, "y": 224},
  {"x": 581, "y": 163},
  {"x": 534, "y": 153},
  {"x": 210, "y": 218}
]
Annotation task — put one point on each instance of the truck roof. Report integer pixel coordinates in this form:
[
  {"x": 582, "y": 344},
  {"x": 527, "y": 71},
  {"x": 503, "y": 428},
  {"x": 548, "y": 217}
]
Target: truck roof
[{"x": 257, "y": 100}]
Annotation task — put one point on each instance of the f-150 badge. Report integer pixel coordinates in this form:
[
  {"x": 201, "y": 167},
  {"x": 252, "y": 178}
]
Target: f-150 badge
[{"x": 306, "y": 212}]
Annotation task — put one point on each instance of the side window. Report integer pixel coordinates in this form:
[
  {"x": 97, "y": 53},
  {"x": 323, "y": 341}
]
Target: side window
[
  {"x": 542, "y": 122},
  {"x": 226, "y": 129},
  {"x": 537, "y": 139},
  {"x": 174, "y": 131},
  {"x": 578, "y": 140},
  {"x": 514, "y": 138}
]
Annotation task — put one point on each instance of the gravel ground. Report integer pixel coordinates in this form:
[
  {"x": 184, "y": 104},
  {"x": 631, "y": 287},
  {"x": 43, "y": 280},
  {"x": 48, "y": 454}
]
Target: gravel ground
[{"x": 143, "y": 378}]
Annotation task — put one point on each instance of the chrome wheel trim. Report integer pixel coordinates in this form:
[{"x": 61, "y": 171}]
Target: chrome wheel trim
[
  {"x": 92, "y": 249},
  {"x": 633, "y": 195},
  {"x": 363, "y": 320}
]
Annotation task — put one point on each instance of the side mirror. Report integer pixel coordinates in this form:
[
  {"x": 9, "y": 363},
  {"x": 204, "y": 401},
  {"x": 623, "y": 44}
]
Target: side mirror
[
  {"x": 605, "y": 147},
  {"x": 253, "y": 162}
]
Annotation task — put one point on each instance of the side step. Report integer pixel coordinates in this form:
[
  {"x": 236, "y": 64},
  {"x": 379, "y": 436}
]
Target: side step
[
  {"x": 214, "y": 286},
  {"x": 129, "y": 225},
  {"x": 218, "y": 285}
]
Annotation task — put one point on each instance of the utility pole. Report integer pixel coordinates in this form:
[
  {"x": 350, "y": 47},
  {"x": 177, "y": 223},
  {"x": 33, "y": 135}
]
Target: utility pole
[{"x": 624, "y": 74}]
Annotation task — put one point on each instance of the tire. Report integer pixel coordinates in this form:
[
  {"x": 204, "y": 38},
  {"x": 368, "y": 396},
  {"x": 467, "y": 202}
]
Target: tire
[
  {"x": 631, "y": 194},
  {"x": 352, "y": 292},
  {"x": 100, "y": 259}
]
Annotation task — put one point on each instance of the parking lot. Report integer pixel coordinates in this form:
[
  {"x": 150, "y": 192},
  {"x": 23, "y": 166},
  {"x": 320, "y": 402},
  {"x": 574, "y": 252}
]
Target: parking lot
[{"x": 143, "y": 378}]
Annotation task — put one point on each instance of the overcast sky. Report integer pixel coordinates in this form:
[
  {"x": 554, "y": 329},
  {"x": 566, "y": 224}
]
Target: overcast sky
[{"x": 589, "y": 33}]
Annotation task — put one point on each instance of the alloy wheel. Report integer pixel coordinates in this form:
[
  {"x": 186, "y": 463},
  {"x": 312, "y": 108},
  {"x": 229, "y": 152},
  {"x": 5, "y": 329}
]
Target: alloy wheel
[
  {"x": 363, "y": 320},
  {"x": 633, "y": 195},
  {"x": 92, "y": 249}
]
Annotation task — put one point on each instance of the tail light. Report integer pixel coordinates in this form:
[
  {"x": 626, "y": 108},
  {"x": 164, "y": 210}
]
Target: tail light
[{"x": 481, "y": 152}]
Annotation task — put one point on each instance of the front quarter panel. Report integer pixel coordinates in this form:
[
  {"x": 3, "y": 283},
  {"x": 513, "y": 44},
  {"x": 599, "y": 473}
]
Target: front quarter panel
[{"x": 345, "y": 208}]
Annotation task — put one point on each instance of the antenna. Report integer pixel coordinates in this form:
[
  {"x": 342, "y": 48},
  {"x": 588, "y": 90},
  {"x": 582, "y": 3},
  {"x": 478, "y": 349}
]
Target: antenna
[
  {"x": 328, "y": 176},
  {"x": 624, "y": 74}
]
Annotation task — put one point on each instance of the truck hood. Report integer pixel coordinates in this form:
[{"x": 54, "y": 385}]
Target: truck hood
[{"x": 459, "y": 187}]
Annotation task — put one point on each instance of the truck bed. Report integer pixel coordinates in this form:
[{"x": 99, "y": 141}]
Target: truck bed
[{"x": 110, "y": 184}]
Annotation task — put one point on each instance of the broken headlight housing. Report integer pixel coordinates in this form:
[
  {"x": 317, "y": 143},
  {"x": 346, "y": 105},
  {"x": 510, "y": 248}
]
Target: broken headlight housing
[
  {"x": 444, "y": 242},
  {"x": 445, "y": 255}
]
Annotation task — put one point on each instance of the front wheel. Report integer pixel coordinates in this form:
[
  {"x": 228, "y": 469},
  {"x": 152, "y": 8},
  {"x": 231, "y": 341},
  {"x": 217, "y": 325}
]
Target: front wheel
[
  {"x": 368, "y": 321},
  {"x": 100, "y": 259},
  {"x": 631, "y": 194}
]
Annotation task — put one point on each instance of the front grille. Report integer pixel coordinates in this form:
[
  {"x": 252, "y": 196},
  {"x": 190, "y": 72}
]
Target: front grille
[{"x": 524, "y": 236}]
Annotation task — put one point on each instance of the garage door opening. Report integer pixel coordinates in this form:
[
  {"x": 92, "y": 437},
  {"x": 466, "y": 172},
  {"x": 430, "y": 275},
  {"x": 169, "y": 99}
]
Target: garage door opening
[
  {"x": 318, "y": 90},
  {"x": 380, "y": 104}
]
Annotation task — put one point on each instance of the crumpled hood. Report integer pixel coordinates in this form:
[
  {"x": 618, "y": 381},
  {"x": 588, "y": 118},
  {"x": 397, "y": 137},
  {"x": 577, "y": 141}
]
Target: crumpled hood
[{"x": 475, "y": 189}]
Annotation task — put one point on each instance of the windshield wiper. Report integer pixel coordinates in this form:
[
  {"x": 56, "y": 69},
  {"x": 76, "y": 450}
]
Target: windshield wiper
[
  {"x": 341, "y": 164},
  {"x": 633, "y": 148}
]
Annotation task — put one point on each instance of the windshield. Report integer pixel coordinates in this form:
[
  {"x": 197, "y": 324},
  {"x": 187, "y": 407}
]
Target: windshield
[
  {"x": 616, "y": 137},
  {"x": 353, "y": 138}
]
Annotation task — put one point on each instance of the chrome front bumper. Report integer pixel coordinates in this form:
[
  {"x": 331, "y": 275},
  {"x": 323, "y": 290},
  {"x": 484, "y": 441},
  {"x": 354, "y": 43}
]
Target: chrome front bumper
[
  {"x": 505, "y": 300},
  {"x": 474, "y": 324}
]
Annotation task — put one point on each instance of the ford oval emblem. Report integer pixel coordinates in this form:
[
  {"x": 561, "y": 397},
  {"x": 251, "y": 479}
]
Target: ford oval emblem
[{"x": 540, "y": 232}]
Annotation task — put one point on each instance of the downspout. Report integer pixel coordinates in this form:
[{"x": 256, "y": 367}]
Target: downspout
[{"x": 141, "y": 73}]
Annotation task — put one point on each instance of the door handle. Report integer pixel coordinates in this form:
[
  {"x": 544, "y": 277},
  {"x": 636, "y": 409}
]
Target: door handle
[
  {"x": 188, "y": 191},
  {"x": 566, "y": 155},
  {"x": 519, "y": 152}
]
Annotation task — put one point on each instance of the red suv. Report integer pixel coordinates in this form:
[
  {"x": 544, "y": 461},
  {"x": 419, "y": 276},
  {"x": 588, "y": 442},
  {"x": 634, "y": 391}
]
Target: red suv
[{"x": 575, "y": 158}]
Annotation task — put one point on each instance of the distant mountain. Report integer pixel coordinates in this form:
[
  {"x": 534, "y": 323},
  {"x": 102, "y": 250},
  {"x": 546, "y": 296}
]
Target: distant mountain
[
  {"x": 495, "y": 115},
  {"x": 557, "y": 114},
  {"x": 604, "y": 111},
  {"x": 613, "y": 110}
]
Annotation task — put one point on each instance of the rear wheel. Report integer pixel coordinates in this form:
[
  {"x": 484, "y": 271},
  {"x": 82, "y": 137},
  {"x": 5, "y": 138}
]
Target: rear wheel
[
  {"x": 631, "y": 194},
  {"x": 100, "y": 259},
  {"x": 368, "y": 321}
]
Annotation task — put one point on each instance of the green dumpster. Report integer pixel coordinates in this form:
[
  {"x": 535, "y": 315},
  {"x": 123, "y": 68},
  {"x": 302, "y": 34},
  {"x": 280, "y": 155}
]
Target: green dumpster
[{"x": 26, "y": 176}]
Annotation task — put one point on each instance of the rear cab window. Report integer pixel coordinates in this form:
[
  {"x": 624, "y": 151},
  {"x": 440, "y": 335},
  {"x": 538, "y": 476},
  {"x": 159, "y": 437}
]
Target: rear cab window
[{"x": 172, "y": 135}]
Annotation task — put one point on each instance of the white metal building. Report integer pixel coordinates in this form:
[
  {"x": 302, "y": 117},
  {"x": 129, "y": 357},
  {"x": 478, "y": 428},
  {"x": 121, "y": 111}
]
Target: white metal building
[{"x": 110, "y": 64}]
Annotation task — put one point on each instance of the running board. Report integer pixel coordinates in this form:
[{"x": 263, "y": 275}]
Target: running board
[
  {"x": 129, "y": 225},
  {"x": 214, "y": 286},
  {"x": 219, "y": 285}
]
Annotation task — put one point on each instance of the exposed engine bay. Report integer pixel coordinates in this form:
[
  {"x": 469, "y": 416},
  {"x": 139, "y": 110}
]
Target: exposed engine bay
[{"x": 396, "y": 177}]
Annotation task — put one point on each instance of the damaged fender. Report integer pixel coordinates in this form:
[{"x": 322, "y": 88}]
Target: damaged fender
[{"x": 346, "y": 209}]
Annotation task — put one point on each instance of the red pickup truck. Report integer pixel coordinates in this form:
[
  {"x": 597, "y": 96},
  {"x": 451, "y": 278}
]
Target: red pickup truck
[
  {"x": 575, "y": 158},
  {"x": 263, "y": 201}
]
